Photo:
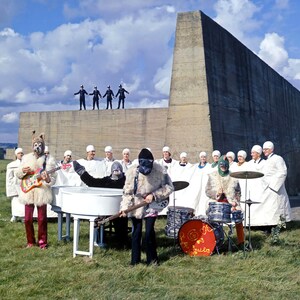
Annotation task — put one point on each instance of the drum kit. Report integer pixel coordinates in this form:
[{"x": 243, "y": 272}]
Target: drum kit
[{"x": 201, "y": 236}]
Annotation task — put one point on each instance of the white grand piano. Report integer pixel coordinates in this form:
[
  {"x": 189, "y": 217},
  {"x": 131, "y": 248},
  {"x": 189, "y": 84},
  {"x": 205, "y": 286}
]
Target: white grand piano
[{"x": 84, "y": 203}]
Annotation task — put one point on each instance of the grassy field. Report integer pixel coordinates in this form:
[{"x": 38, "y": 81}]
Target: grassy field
[{"x": 271, "y": 271}]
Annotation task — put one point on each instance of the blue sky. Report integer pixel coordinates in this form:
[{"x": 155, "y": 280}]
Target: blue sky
[{"x": 48, "y": 48}]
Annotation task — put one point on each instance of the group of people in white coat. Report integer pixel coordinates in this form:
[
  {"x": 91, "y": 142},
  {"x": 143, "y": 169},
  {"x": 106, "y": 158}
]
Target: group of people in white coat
[{"x": 269, "y": 190}]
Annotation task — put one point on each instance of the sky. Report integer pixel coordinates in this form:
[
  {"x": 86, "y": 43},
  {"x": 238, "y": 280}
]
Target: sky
[{"x": 48, "y": 48}]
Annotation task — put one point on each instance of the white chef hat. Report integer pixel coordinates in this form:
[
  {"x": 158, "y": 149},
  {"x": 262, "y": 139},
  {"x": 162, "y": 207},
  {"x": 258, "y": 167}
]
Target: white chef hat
[
  {"x": 46, "y": 149},
  {"x": 242, "y": 153},
  {"x": 202, "y": 154},
  {"x": 257, "y": 148},
  {"x": 68, "y": 152},
  {"x": 216, "y": 153},
  {"x": 268, "y": 145},
  {"x": 108, "y": 149},
  {"x": 126, "y": 150},
  {"x": 183, "y": 154},
  {"x": 90, "y": 148},
  {"x": 230, "y": 154},
  {"x": 18, "y": 150},
  {"x": 166, "y": 149}
]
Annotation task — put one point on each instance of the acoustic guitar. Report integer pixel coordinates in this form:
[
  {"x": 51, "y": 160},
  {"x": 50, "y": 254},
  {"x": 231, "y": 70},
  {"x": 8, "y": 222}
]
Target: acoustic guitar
[{"x": 33, "y": 180}]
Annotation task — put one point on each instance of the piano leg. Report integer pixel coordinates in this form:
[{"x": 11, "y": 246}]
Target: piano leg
[
  {"x": 92, "y": 223},
  {"x": 76, "y": 235},
  {"x": 59, "y": 225},
  {"x": 68, "y": 224}
]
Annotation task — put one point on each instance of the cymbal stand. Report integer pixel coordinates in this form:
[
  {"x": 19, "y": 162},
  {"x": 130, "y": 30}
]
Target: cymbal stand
[
  {"x": 245, "y": 217},
  {"x": 174, "y": 232},
  {"x": 249, "y": 202}
]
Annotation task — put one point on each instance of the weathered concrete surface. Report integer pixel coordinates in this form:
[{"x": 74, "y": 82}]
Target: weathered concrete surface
[
  {"x": 222, "y": 97},
  {"x": 74, "y": 130},
  {"x": 188, "y": 123}
]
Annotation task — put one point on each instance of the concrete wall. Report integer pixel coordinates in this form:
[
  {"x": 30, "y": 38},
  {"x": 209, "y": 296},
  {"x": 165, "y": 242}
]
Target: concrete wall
[
  {"x": 74, "y": 130},
  {"x": 188, "y": 123},
  {"x": 249, "y": 102}
]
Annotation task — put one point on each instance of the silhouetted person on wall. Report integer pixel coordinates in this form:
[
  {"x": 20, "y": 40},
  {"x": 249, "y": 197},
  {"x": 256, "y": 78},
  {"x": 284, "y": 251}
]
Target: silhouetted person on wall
[
  {"x": 82, "y": 92},
  {"x": 121, "y": 93},
  {"x": 109, "y": 95},
  {"x": 96, "y": 96}
]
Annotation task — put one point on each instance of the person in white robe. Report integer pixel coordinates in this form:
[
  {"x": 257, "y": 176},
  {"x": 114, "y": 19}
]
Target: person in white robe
[
  {"x": 67, "y": 176},
  {"x": 241, "y": 166},
  {"x": 198, "y": 184},
  {"x": 125, "y": 161},
  {"x": 275, "y": 200},
  {"x": 13, "y": 186},
  {"x": 167, "y": 161},
  {"x": 216, "y": 154},
  {"x": 255, "y": 187},
  {"x": 182, "y": 170},
  {"x": 231, "y": 157},
  {"x": 96, "y": 168},
  {"x": 108, "y": 159}
]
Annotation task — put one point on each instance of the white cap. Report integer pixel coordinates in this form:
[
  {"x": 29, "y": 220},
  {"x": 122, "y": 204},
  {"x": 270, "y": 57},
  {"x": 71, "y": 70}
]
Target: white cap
[
  {"x": 216, "y": 153},
  {"x": 46, "y": 149},
  {"x": 230, "y": 154},
  {"x": 90, "y": 148},
  {"x": 202, "y": 154},
  {"x": 68, "y": 152},
  {"x": 166, "y": 149},
  {"x": 18, "y": 150},
  {"x": 268, "y": 145},
  {"x": 242, "y": 153},
  {"x": 126, "y": 150},
  {"x": 183, "y": 154},
  {"x": 257, "y": 148},
  {"x": 108, "y": 149}
]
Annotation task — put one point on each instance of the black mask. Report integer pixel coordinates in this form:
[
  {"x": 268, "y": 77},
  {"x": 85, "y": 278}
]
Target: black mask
[{"x": 145, "y": 166}]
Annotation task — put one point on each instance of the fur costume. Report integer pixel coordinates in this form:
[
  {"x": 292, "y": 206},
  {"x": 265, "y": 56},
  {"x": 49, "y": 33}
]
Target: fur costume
[
  {"x": 228, "y": 185},
  {"x": 148, "y": 184},
  {"x": 42, "y": 194},
  {"x": 39, "y": 195}
]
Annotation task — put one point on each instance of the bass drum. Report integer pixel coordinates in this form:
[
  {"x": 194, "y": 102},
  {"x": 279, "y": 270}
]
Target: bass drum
[{"x": 199, "y": 238}]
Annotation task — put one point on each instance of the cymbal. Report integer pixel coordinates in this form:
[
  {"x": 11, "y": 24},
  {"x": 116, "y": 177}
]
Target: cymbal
[
  {"x": 250, "y": 202},
  {"x": 246, "y": 174},
  {"x": 180, "y": 185}
]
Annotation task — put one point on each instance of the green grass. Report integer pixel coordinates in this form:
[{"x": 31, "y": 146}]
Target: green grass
[{"x": 271, "y": 271}]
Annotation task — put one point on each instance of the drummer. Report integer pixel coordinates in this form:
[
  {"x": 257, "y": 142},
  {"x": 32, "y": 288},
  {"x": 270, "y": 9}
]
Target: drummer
[{"x": 221, "y": 187}]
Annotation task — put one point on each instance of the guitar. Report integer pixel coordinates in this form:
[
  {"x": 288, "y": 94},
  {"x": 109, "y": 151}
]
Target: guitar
[{"x": 33, "y": 179}]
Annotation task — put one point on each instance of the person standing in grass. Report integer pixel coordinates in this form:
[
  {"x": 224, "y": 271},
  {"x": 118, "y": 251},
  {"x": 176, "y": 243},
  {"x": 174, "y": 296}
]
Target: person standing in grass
[
  {"x": 40, "y": 195},
  {"x": 148, "y": 181}
]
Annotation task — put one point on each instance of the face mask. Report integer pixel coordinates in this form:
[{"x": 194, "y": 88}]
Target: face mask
[{"x": 145, "y": 166}]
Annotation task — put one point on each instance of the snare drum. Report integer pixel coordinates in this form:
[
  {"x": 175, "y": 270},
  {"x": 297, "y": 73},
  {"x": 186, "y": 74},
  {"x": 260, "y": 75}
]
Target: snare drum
[
  {"x": 176, "y": 216},
  {"x": 219, "y": 212},
  {"x": 237, "y": 216},
  {"x": 198, "y": 238}
]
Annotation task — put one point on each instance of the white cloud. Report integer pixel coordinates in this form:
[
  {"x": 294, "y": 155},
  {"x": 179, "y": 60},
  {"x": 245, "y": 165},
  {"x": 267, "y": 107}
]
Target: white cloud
[
  {"x": 162, "y": 78},
  {"x": 238, "y": 17},
  {"x": 272, "y": 51},
  {"x": 10, "y": 118}
]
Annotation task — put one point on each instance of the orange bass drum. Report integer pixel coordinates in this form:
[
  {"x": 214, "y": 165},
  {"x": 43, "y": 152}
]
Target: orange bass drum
[{"x": 199, "y": 238}]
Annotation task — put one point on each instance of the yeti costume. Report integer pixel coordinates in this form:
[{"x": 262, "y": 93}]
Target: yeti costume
[
  {"x": 148, "y": 184},
  {"x": 38, "y": 196},
  {"x": 41, "y": 195},
  {"x": 227, "y": 185}
]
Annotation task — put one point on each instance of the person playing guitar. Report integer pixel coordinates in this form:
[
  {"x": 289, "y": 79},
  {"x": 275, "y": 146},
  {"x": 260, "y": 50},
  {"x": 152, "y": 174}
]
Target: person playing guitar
[{"x": 37, "y": 191}]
